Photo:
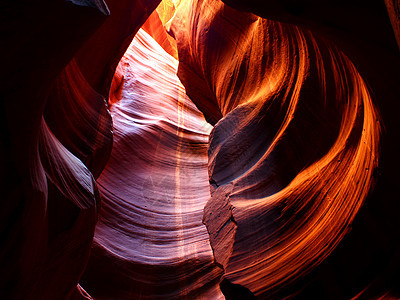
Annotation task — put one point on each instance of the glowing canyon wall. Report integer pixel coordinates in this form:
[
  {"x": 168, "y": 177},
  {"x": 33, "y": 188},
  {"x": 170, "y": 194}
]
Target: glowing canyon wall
[{"x": 201, "y": 150}]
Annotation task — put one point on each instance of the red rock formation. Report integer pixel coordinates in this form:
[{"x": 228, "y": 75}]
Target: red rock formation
[
  {"x": 294, "y": 148},
  {"x": 156, "y": 26},
  {"x": 150, "y": 242},
  {"x": 78, "y": 116},
  {"x": 393, "y": 10},
  {"x": 299, "y": 111},
  {"x": 49, "y": 202}
]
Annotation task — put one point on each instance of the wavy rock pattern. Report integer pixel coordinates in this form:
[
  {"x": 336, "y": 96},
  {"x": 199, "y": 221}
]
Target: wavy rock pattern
[
  {"x": 48, "y": 207},
  {"x": 291, "y": 158},
  {"x": 49, "y": 204},
  {"x": 150, "y": 241},
  {"x": 79, "y": 117},
  {"x": 273, "y": 90}
]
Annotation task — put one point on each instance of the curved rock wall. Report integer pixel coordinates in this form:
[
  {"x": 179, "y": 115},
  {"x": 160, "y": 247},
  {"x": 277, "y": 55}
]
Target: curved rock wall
[
  {"x": 56, "y": 62},
  {"x": 104, "y": 169},
  {"x": 150, "y": 242},
  {"x": 294, "y": 148}
]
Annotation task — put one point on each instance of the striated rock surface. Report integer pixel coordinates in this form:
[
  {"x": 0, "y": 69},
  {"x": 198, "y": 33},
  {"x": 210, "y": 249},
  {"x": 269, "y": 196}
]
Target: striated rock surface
[
  {"x": 294, "y": 147},
  {"x": 296, "y": 183},
  {"x": 150, "y": 242},
  {"x": 49, "y": 204},
  {"x": 79, "y": 117}
]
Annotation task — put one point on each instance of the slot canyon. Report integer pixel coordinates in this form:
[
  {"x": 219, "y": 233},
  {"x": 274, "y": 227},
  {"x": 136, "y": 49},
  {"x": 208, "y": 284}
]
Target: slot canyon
[{"x": 200, "y": 149}]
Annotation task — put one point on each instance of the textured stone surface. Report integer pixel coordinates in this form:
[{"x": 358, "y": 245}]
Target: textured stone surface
[
  {"x": 296, "y": 138},
  {"x": 302, "y": 159},
  {"x": 150, "y": 242},
  {"x": 49, "y": 200}
]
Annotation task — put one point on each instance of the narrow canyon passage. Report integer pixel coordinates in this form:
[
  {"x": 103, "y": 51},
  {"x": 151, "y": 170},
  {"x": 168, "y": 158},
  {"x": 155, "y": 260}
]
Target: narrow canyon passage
[
  {"x": 150, "y": 240},
  {"x": 199, "y": 149}
]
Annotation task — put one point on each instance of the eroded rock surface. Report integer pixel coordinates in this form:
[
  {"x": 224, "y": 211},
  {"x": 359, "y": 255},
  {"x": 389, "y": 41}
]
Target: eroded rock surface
[
  {"x": 302, "y": 160},
  {"x": 294, "y": 147},
  {"x": 53, "y": 62},
  {"x": 150, "y": 242}
]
